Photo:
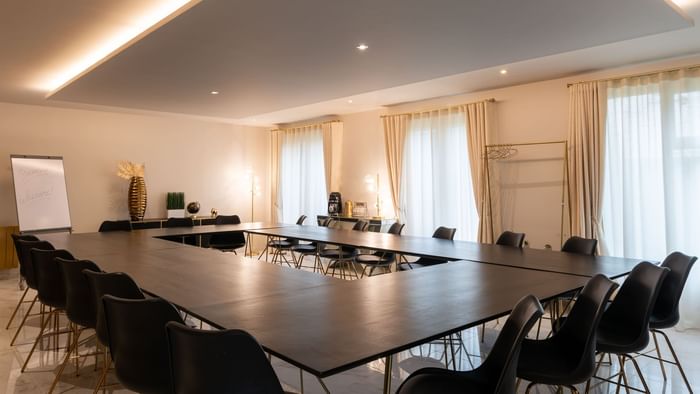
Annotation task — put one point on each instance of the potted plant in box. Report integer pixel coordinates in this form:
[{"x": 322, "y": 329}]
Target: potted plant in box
[{"x": 176, "y": 204}]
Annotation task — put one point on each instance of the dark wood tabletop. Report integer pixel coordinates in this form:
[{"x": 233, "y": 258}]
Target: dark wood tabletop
[
  {"x": 209, "y": 229},
  {"x": 330, "y": 329},
  {"x": 106, "y": 243},
  {"x": 536, "y": 259}
]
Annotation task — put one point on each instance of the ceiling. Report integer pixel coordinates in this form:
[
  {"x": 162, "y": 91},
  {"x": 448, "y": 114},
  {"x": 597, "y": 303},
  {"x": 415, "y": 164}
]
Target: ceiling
[{"x": 282, "y": 61}]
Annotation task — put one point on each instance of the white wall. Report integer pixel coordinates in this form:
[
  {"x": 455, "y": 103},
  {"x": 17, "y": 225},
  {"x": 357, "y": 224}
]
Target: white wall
[
  {"x": 206, "y": 160},
  {"x": 532, "y": 112}
]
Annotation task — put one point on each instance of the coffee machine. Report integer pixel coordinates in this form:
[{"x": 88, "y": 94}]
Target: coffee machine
[{"x": 335, "y": 204}]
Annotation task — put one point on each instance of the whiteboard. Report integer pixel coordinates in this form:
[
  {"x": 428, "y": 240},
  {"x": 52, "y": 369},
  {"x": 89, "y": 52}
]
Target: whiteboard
[{"x": 40, "y": 193}]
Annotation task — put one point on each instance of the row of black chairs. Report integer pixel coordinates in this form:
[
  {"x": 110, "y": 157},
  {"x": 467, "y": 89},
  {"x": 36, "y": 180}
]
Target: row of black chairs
[
  {"x": 144, "y": 338},
  {"x": 596, "y": 325}
]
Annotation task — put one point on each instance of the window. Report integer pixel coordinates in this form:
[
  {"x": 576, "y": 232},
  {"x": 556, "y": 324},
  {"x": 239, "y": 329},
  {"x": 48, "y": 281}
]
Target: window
[
  {"x": 301, "y": 177},
  {"x": 436, "y": 187}
]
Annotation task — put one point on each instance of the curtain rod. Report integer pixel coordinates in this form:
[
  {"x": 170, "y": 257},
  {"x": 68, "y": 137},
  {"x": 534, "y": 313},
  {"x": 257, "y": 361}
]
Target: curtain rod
[
  {"x": 646, "y": 74},
  {"x": 308, "y": 125},
  {"x": 488, "y": 100}
]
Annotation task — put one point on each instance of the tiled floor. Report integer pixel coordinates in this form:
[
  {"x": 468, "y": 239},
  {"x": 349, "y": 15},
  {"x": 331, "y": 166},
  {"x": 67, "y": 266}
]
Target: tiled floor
[{"x": 366, "y": 379}]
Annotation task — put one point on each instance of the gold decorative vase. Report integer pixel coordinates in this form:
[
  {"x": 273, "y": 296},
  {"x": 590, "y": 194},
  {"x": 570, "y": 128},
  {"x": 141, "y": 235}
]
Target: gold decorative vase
[{"x": 137, "y": 198}]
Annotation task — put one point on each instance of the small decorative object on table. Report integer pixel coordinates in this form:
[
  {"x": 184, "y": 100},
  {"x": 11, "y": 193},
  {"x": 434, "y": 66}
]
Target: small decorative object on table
[
  {"x": 193, "y": 208},
  {"x": 176, "y": 204},
  {"x": 359, "y": 209},
  {"x": 214, "y": 212},
  {"x": 137, "y": 187}
]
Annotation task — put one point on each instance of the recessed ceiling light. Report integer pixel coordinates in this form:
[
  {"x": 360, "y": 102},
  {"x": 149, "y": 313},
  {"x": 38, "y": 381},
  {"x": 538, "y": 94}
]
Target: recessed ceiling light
[
  {"x": 504, "y": 71},
  {"x": 349, "y": 101},
  {"x": 214, "y": 92},
  {"x": 362, "y": 47}
]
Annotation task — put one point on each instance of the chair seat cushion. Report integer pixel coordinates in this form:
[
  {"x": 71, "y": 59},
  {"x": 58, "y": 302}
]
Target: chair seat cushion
[
  {"x": 371, "y": 259},
  {"x": 279, "y": 244},
  {"x": 339, "y": 253},
  {"x": 436, "y": 380},
  {"x": 227, "y": 246},
  {"x": 551, "y": 362},
  {"x": 304, "y": 248},
  {"x": 615, "y": 339}
]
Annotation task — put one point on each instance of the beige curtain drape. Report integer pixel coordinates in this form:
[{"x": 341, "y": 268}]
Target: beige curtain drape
[
  {"x": 478, "y": 129},
  {"x": 587, "y": 107},
  {"x": 327, "y": 129},
  {"x": 274, "y": 173},
  {"x": 395, "y": 128}
]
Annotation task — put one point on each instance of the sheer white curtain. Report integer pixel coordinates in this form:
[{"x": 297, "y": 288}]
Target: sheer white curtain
[
  {"x": 652, "y": 173},
  {"x": 436, "y": 186},
  {"x": 301, "y": 184}
]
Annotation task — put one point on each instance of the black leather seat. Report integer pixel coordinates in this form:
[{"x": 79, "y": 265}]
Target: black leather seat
[
  {"x": 117, "y": 284},
  {"x": 115, "y": 225},
  {"x": 227, "y": 242},
  {"x": 665, "y": 313},
  {"x": 379, "y": 259},
  {"x": 580, "y": 245},
  {"x": 22, "y": 273},
  {"x": 26, "y": 265},
  {"x": 181, "y": 222},
  {"x": 343, "y": 257},
  {"x": 50, "y": 289},
  {"x": 496, "y": 374},
  {"x": 226, "y": 361},
  {"x": 624, "y": 328},
  {"x": 509, "y": 238},
  {"x": 441, "y": 233},
  {"x": 568, "y": 356},
  {"x": 80, "y": 304},
  {"x": 138, "y": 343}
]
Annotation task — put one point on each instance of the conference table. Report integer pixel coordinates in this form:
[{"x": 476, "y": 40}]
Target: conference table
[{"x": 325, "y": 325}]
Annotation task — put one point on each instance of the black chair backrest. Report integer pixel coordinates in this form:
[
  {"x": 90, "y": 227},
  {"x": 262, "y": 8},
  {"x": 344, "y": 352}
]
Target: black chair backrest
[
  {"x": 226, "y": 361},
  {"x": 115, "y": 225},
  {"x": 578, "y": 333},
  {"x": 360, "y": 225},
  {"x": 178, "y": 222},
  {"x": 138, "y": 343},
  {"x": 500, "y": 366},
  {"x": 49, "y": 279},
  {"x": 117, "y": 284},
  {"x": 580, "y": 245},
  {"x": 323, "y": 222},
  {"x": 80, "y": 302},
  {"x": 444, "y": 233},
  {"x": 665, "y": 312},
  {"x": 509, "y": 238},
  {"x": 301, "y": 219},
  {"x": 629, "y": 313},
  {"x": 15, "y": 240},
  {"x": 25, "y": 258},
  {"x": 227, "y": 219},
  {"x": 396, "y": 228}
]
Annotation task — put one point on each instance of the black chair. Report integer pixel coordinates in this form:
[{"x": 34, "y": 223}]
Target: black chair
[
  {"x": 441, "y": 233},
  {"x": 50, "y": 290},
  {"x": 580, "y": 245},
  {"x": 117, "y": 284},
  {"x": 22, "y": 273},
  {"x": 302, "y": 250},
  {"x": 624, "y": 328},
  {"x": 379, "y": 259},
  {"x": 227, "y": 242},
  {"x": 115, "y": 225},
  {"x": 509, "y": 238},
  {"x": 665, "y": 313},
  {"x": 568, "y": 356},
  {"x": 26, "y": 265},
  {"x": 343, "y": 257},
  {"x": 138, "y": 343},
  {"x": 80, "y": 306},
  {"x": 280, "y": 246},
  {"x": 496, "y": 374},
  {"x": 227, "y": 361},
  {"x": 181, "y": 222}
]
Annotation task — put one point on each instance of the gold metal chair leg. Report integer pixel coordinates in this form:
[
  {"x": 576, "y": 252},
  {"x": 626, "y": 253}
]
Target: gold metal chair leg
[
  {"x": 36, "y": 342},
  {"x": 21, "y": 300},
  {"x": 639, "y": 372},
  {"x": 24, "y": 319},
  {"x": 64, "y": 363},
  {"x": 675, "y": 358},
  {"x": 658, "y": 353}
]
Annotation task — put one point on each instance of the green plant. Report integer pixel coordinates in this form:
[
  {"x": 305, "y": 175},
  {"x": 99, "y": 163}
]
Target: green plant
[{"x": 175, "y": 200}]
